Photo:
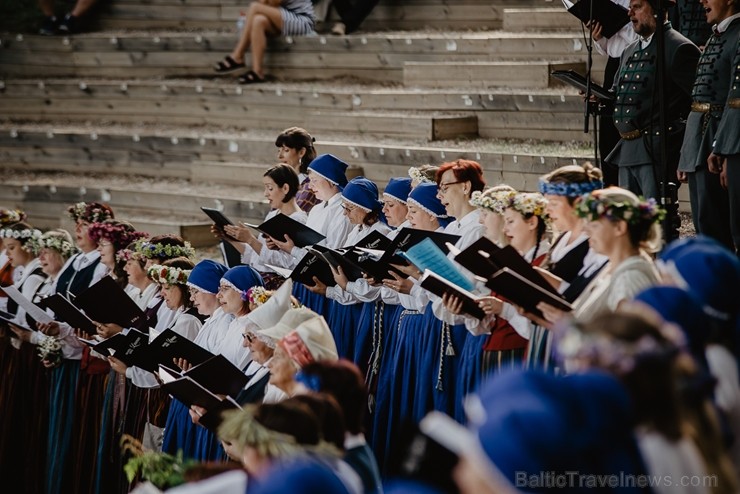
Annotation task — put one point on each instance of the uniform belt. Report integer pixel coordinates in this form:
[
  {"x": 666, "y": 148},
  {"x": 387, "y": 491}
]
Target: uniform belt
[
  {"x": 734, "y": 103},
  {"x": 705, "y": 107},
  {"x": 637, "y": 133}
]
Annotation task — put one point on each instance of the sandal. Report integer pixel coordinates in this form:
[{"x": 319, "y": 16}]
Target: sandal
[
  {"x": 227, "y": 65},
  {"x": 251, "y": 77}
]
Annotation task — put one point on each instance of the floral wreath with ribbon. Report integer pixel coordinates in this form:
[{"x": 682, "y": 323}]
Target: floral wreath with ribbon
[
  {"x": 417, "y": 176},
  {"x": 118, "y": 234},
  {"x": 57, "y": 243},
  {"x": 593, "y": 207},
  {"x": 90, "y": 212},
  {"x": 150, "y": 250},
  {"x": 256, "y": 295},
  {"x": 529, "y": 204},
  {"x": 29, "y": 237},
  {"x": 166, "y": 275},
  {"x": 10, "y": 216},
  {"x": 496, "y": 201}
]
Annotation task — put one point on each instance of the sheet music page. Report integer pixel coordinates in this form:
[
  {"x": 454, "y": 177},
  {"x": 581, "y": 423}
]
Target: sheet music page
[{"x": 31, "y": 309}]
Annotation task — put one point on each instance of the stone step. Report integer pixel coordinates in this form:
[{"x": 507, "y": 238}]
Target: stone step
[
  {"x": 274, "y": 106},
  {"x": 154, "y": 211},
  {"x": 387, "y": 15},
  {"x": 378, "y": 57},
  {"x": 540, "y": 19},
  {"x": 484, "y": 75},
  {"x": 195, "y": 157}
]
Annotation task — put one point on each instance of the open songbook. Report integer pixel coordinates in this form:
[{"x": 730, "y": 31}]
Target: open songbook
[
  {"x": 189, "y": 390},
  {"x": 611, "y": 16},
  {"x": 281, "y": 224},
  {"x": 510, "y": 276},
  {"x": 439, "y": 286}
]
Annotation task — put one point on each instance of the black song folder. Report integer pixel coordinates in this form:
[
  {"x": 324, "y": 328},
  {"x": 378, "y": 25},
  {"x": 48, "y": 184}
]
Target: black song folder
[
  {"x": 611, "y": 16},
  {"x": 65, "y": 311},
  {"x": 107, "y": 302},
  {"x": 281, "y": 224}
]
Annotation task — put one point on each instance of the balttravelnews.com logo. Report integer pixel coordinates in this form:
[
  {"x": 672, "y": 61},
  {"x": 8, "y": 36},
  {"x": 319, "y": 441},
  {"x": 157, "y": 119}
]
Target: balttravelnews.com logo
[{"x": 572, "y": 479}]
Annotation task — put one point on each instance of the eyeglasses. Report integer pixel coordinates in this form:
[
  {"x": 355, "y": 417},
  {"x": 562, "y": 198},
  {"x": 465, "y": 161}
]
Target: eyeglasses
[
  {"x": 443, "y": 187},
  {"x": 104, "y": 243},
  {"x": 348, "y": 207},
  {"x": 248, "y": 336}
]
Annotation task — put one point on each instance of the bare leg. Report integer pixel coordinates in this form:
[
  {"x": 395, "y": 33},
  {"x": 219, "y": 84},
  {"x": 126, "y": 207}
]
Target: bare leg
[
  {"x": 255, "y": 9},
  {"x": 81, "y": 7},
  {"x": 262, "y": 27}
]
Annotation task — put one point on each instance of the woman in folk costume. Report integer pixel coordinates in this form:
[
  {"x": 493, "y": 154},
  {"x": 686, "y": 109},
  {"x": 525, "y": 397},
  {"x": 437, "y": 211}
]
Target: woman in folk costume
[
  {"x": 378, "y": 323},
  {"x": 81, "y": 271},
  {"x": 56, "y": 250},
  {"x": 172, "y": 276},
  {"x": 7, "y": 274},
  {"x": 507, "y": 333},
  {"x": 425, "y": 212},
  {"x": 180, "y": 433},
  {"x": 327, "y": 179},
  {"x": 267, "y": 308},
  {"x": 281, "y": 185},
  {"x": 625, "y": 229},
  {"x": 571, "y": 260},
  {"x": 23, "y": 377},
  {"x": 364, "y": 211},
  {"x": 109, "y": 394},
  {"x": 457, "y": 181},
  {"x": 142, "y": 404},
  {"x": 203, "y": 284}
]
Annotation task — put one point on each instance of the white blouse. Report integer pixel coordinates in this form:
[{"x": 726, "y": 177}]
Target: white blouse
[
  {"x": 328, "y": 219},
  {"x": 214, "y": 330}
]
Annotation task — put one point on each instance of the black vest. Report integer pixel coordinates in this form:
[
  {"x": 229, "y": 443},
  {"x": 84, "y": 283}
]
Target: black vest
[
  {"x": 76, "y": 282},
  {"x": 691, "y": 21},
  {"x": 255, "y": 393},
  {"x": 571, "y": 263},
  {"x": 13, "y": 305}
]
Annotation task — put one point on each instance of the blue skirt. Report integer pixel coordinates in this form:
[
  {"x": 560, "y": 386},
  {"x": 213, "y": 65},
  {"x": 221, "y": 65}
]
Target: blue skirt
[
  {"x": 179, "y": 431},
  {"x": 343, "y": 321},
  {"x": 61, "y": 416},
  {"x": 401, "y": 384},
  {"x": 314, "y": 301},
  {"x": 470, "y": 374},
  {"x": 208, "y": 446},
  {"x": 447, "y": 368},
  {"x": 366, "y": 340},
  {"x": 380, "y": 384}
]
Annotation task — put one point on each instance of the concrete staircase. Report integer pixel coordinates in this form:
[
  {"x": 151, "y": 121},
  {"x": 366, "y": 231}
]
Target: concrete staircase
[{"x": 133, "y": 115}]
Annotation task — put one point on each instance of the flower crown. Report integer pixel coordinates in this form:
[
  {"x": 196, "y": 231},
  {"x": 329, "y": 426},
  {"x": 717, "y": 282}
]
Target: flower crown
[
  {"x": 575, "y": 189},
  {"x": 65, "y": 248},
  {"x": 417, "y": 176},
  {"x": 615, "y": 354},
  {"x": 118, "y": 234},
  {"x": 149, "y": 250},
  {"x": 29, "y": 237},
  {"x": 241, "y": 428},
  {"x": 10, "y": 216},
  {"x": 496, "y": 201},
  {"x": 593, "y": 207},
  {"x": 134, "y": 252},
  {"x": 256, "y": 295},
  {"x": 166, "y": 275},
  {"x": 89, "y": 212},
  {"x": 529, "y": 204}
]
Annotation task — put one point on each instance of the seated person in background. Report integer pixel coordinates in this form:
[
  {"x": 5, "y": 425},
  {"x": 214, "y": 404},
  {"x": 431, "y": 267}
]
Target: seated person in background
[
  {"x": 69, "y": 24},
  {"x": 266, "y": 18},
  {"x": 352, "y": 13}
]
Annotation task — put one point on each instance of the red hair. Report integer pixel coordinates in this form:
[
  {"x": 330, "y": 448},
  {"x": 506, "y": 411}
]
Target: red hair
[{"x": 464, "y": 171}]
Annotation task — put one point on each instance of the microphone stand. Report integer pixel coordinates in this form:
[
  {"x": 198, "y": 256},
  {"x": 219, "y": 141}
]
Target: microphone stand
[
  {"x": 667, "y": 185},
  {"x": 591, "y": 107}
]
